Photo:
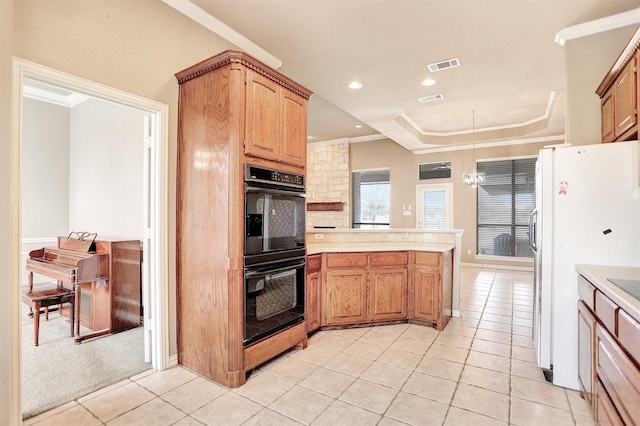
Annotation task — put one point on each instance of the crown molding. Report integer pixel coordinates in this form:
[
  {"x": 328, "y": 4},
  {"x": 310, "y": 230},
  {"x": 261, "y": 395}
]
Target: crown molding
[
  {"x": 607, "y": 23},
  {"x": 204, "y": 18}
]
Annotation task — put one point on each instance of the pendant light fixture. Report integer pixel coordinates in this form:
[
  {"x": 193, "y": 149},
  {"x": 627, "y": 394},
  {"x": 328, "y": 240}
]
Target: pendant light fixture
[{"x": 473, "y": 178}]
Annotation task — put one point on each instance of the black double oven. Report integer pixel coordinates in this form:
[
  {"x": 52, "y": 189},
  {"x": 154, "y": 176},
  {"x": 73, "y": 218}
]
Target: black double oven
[{"x": 274, "y": 251}]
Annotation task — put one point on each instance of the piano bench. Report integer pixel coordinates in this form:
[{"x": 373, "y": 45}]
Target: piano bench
[{"x": 43, "y": 298}]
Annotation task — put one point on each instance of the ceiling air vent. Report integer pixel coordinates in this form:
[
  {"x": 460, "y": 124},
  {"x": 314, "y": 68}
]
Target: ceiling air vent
[
  {"x": 443, "y": 65},
  {"x": 430, "y": 98}
]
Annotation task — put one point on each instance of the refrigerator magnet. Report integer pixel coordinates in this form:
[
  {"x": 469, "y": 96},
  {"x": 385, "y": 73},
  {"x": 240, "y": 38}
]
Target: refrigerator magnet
[{"x": 563, "y": 188}]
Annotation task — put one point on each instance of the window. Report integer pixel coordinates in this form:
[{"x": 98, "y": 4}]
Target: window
[
  {"x": 371, "y": 199},
  {"x": 505, "y": 200},
  {"x": 434, "y": 209}
]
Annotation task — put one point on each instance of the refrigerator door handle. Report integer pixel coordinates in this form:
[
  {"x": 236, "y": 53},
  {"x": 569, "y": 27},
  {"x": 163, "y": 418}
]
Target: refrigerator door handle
[{"x": 533, "y": 224}]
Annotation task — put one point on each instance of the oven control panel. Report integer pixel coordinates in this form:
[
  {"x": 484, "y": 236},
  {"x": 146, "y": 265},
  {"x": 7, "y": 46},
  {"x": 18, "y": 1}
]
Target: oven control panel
[{"x": 266, "y": 175}]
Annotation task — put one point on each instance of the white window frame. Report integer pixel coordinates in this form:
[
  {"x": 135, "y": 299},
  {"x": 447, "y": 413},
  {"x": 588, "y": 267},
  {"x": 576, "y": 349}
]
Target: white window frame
[{"x": 435, "y": 187}]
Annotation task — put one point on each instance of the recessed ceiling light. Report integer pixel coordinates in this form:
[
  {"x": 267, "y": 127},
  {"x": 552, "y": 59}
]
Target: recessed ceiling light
[
  {"x": 358, "y": 126},
  {"x": 428, "y": 82},
  {"x": 355, "y": 85}
]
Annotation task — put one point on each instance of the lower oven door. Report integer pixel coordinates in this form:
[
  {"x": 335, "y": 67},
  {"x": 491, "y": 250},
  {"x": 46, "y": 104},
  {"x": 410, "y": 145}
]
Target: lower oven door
[{"x": 274, "y": 298}]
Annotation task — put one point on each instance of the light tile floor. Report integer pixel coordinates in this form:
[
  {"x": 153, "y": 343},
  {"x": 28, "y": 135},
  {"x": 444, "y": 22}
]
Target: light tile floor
[{"x": 479, "y": 371}]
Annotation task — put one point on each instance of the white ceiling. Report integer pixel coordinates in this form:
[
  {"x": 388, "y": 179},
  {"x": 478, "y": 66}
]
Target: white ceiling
[{"x": 511, "y": 73}]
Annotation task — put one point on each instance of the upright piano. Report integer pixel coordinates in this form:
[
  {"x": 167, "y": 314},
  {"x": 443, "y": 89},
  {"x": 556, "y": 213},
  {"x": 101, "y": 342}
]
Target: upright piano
[{"x": 105, "y": 275}]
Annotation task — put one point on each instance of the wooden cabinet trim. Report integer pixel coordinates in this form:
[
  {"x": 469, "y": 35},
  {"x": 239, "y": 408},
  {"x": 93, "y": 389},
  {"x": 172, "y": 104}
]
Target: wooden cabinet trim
[
  {"x": 625, "y": 56},
  {"x": 586, "y": 292},
  {"x": 606, "y": 311}
]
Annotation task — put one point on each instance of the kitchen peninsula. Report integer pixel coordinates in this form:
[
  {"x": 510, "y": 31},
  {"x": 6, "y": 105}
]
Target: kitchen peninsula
[{"x": 366, "y": 277}]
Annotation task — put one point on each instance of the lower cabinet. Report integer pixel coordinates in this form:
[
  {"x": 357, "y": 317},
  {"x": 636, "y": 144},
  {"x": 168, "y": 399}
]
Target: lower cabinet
[
  {"x": 373, "y": 287},
  {"x": 608, "y": 359}
]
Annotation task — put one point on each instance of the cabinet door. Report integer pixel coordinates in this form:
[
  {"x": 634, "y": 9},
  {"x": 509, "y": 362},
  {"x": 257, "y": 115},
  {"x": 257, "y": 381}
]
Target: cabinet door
[
  {"x": 346, "y": 296},
  {"x": 294, "y": 129},
  {"x": 586, "y": 344},
  {"x": 625, "y": 100},
  {"x": 262, "y": 117},
  {"x": 388, "y": 294},
  {"x": 312, "y": 309},
  {"x": 607, "y": 124},
  {"x": 426, "y": 294}
]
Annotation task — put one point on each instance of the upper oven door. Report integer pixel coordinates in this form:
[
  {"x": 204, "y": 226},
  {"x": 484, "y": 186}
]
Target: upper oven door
[{"x": 274, "y": 220}]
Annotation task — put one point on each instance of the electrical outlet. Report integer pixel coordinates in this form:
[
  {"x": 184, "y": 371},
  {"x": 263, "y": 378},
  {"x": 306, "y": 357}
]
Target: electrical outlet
[{"x": 468, "y": 251}]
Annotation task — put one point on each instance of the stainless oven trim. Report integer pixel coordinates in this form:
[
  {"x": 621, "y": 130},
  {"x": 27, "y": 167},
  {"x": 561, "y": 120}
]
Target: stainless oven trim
[
  {"x": 262, "y": 189},
  {"x": 252, "y": 272}
]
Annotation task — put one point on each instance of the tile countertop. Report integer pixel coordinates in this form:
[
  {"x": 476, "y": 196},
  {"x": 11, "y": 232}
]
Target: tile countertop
[
  {"x": 315, "y": 248},
  {"x": 598, "y": 276}
]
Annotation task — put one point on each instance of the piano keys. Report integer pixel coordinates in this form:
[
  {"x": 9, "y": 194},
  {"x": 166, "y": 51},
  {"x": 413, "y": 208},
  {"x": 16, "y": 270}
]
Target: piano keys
[{"x": 106, "y": 282}]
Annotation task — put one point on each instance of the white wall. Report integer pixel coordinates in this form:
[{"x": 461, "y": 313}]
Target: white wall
[
  {"x": 106, "y": 158},
  {"x": 45, "y": 169}
]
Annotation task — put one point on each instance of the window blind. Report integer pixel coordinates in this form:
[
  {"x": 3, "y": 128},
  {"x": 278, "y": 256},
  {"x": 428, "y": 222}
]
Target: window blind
[{"x": 505, "y": 200}]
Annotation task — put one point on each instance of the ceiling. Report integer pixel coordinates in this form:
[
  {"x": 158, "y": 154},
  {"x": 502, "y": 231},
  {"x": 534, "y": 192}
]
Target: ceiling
[{"x": 511, "y": 69}]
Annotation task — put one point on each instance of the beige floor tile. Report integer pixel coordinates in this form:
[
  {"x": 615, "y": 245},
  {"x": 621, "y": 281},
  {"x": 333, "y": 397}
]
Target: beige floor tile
[
  {"x": 457, "y": 417},
  {"x": 194, "y": 394},
  {"x": 387, "y": 421},
  {"x": 365, "y": 349},
  {"x": 188, "y": 421},
  {"x": 525, "y": 322},
  {"x": 414, "y": 410},
  {"x": 420, "y": 332},
  {"x": 349, "y": 364},
  {"x": 465, "y": 322},
  {"x": 314, "y": 355},
  {"x": 430, "y": 387},
  {"x": 500, "y": 305},
  {"x": 522, "y": 331},
  {"x": 482, "y": 401},
  {"x": 165, "y": 380},
  {"x": 523, "y": 314},
  {"x": 496, "y": 318},
  {"x": 522, "y": 341},
  {"x": 352, "y": 333},
  {"x": 416, "y": 346},
  {"x": 403, "y": 359},
  {"x": 264, "y": 388},
  {"x": 229, "y": 409},
  {"x": 386, "y": 374},
  {"x": 368, "y": 395},
  {"x": 334, "y": 342},
  {"x": 267, "y": 417},
  {"x": 448, "y": 352},
  {"x": 470, "y": 314},
  {"x": 498, "y": 311},
  {"x": 540, "y": 392},
  {"x": 102, "y": 391},
  {"x": 489, "y": 361},
  {"x": 440, "y": 368},
  {"x": 526, "y": 369},
  {"x": 583, "y": 419},
  {"x": 527, "y": 413},
  {"x": 396, "y": 329},
  {"x": 463, "y": 342},
  {"x": 494, "y": 326},
  {"x": 74, "y": 415},
  {"x": 459, "y": 330},
  {"x": 301, "y": 404},
  {"x": 341, "y": 413},
  {"x": 378, "y": 338},
  {"x": 489, "y": 347},
  {"x": 471, "y": 306},
  {"x": 577, "y": 403},
  {"x": 293, "y": 369},
  {"x": 329, "y": 382},
  {"x": 487, "y": 379},
  {"x": 118, "y": 401},
  {"x": 493, "y": 336},
  {"x": 523, "y": 354},
  {"x": 153, "y": 413}
]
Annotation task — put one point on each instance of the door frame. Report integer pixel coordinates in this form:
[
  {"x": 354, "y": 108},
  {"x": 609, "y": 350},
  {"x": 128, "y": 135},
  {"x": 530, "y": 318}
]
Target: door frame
[{"x": 155, "y": 271}]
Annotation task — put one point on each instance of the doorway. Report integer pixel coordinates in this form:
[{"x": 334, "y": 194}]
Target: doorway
[{"x": 154, "y": 219}]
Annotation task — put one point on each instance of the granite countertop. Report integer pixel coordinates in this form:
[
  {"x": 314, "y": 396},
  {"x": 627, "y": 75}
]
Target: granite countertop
[
  {"x": 315, "y": 248},
  {"x": 599, "y": 275}
]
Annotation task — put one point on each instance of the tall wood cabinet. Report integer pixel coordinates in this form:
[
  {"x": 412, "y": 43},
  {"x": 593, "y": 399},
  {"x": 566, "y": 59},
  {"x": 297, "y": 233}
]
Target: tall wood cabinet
[{"x": 232, "y": 110}]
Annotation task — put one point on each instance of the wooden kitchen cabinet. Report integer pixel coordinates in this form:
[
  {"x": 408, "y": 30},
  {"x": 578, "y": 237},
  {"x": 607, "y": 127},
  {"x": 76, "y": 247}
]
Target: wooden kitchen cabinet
[
  {"x": 432, "y": 288},
  {"x": 608, "y": 370},
  {"x": 232, "y": 110},
  {"x": 388, "y": 285},
  {"x": 346, "y": 296},
  {"x": 619, "y": 95},
  {"x": 586, "y": 339},
  {"x": 312, "y": 294},
  {"x": 276, "y": 122}
]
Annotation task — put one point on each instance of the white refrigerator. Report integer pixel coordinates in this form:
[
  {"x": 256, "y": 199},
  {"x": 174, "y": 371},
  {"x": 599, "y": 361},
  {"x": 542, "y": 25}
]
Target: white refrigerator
[{"x": 587, "y": 211}]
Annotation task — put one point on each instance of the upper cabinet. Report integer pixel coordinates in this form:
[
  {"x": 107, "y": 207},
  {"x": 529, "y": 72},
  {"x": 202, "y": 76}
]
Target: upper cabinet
[
  {"x": 619, "y": 95},
  {"x": 276, "y": 121}
]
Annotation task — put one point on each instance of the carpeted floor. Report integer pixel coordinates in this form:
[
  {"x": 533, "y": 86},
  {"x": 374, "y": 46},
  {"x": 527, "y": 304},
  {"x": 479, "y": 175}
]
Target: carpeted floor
[{"x": 59, "y": 371}]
